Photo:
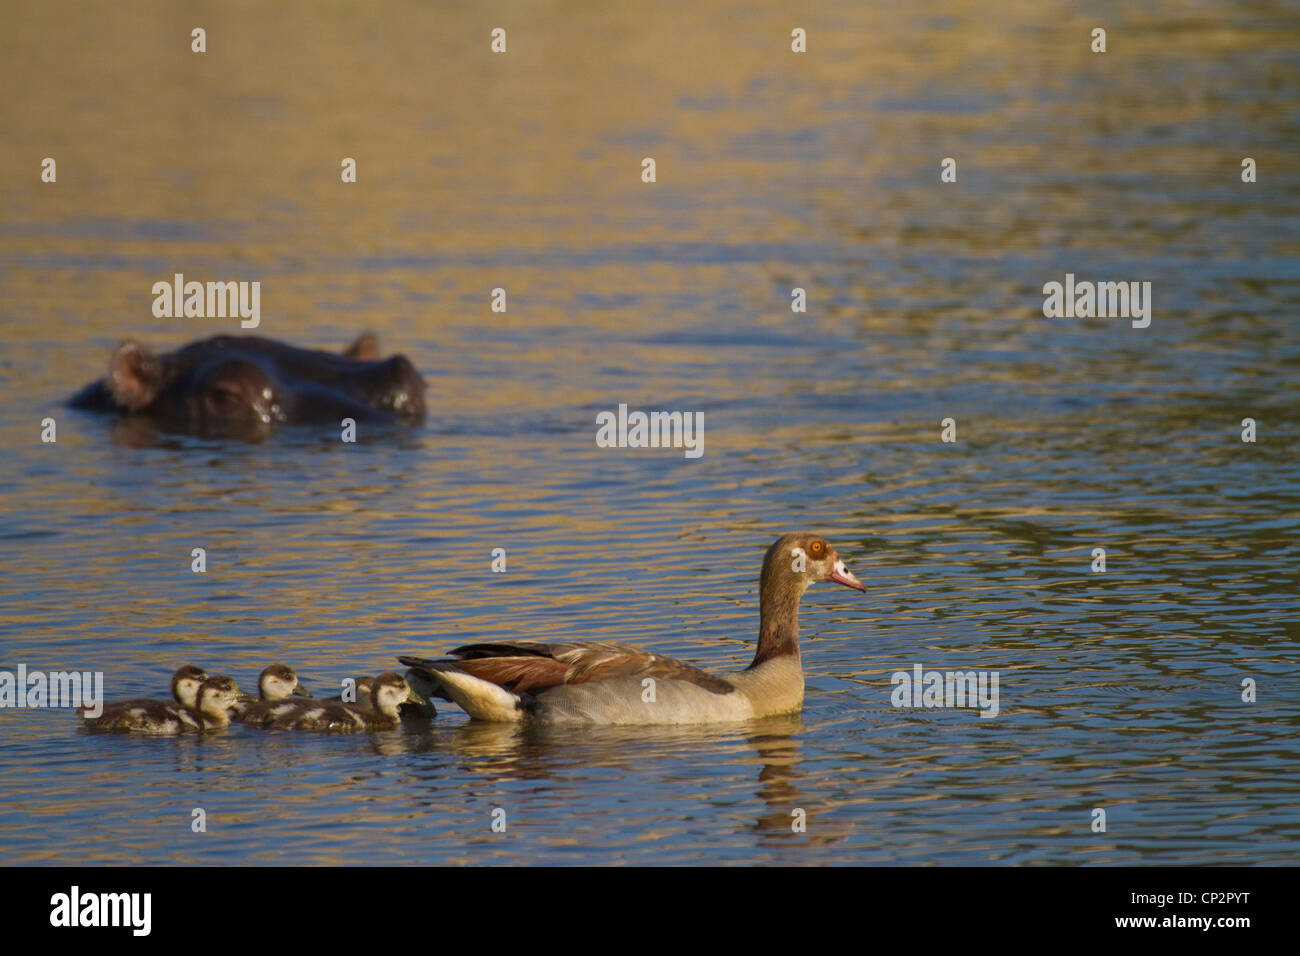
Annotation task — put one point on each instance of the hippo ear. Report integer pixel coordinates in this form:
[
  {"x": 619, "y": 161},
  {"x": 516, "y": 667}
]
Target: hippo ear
[
  {"x": 365, "y": 348},
  {"x": 134, "y": 376}
]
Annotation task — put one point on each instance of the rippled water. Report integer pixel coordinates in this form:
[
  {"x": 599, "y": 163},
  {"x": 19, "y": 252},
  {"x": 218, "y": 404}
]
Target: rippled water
[{"x": 1119, "y": 690}]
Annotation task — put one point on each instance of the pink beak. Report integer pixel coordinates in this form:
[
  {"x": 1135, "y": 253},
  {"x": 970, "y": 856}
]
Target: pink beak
[{"x": 842, "y": 575}]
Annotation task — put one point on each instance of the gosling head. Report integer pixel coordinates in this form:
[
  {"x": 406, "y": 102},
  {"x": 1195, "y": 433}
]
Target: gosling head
[
  {"x": 423, "y": 687},
  {"x": 216, "y": 696},
  {"x": 279, "y": 682},
  {"x": 389, "y": 693},
  {"x": 185, "y": 684}
]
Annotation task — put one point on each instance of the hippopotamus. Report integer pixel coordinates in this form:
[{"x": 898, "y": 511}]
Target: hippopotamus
[{"x": 245, "y": 386}]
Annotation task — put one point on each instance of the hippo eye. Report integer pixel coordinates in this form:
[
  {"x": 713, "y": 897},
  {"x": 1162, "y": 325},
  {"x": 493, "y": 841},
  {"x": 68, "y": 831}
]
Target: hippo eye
[
  {"x": 223, "y": 397},
  {"x": 817, "y": 549}
]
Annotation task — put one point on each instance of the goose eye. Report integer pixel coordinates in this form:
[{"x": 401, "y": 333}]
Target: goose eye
[{"x": 817, "y": 549}]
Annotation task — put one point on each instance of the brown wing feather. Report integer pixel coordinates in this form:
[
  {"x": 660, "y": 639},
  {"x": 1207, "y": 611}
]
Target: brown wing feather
[
  {"x": 517, "y": 674},
  {"x": 529, "y": 666}
]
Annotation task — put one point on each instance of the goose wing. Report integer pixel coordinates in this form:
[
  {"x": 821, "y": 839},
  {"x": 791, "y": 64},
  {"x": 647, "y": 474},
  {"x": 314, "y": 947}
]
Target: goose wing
[{"x": 532, "y": 666}]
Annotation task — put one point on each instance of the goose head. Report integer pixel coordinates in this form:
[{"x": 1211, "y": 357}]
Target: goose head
[
  {"x": 279, "y": 682},
  {"x": 186, "y": 682},
  {"x": 389, "y": 693},
  {"x": 792, "y": 564},
  {"x": 797, "y": 561}
]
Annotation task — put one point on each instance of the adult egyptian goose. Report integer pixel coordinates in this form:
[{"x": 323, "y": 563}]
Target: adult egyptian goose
[{"x": 605, "y": 683}]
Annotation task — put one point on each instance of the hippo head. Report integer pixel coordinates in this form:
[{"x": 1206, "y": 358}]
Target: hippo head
[
  {"x": 225, "y": 395},
  {"x": 243, "y": 386}
]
